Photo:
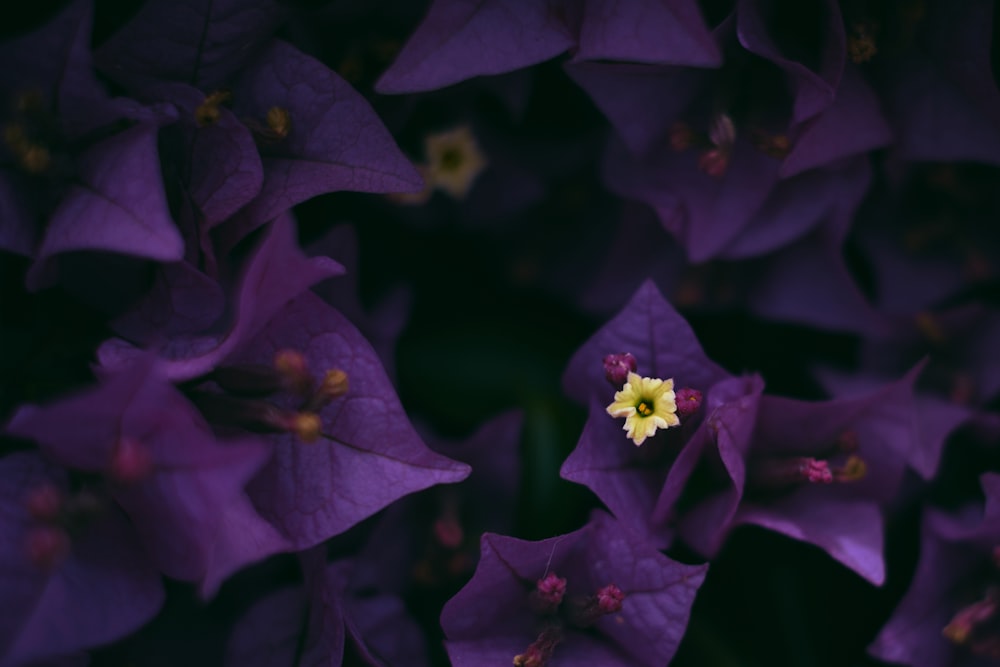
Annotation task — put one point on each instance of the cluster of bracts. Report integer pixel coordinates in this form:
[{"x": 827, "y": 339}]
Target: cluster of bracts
[{"x": 240, "y": 409}]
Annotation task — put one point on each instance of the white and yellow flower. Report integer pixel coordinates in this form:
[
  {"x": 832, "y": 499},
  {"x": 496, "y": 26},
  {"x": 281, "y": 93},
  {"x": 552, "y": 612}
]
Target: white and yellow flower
[{"x": 646, "y": 404}]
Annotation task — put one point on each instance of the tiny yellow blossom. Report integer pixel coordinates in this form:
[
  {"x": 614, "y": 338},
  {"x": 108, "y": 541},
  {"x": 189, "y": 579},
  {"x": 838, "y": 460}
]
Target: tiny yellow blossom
[
  {"x": 647, "y": 404},
  {"x": 454, "y": 161}
]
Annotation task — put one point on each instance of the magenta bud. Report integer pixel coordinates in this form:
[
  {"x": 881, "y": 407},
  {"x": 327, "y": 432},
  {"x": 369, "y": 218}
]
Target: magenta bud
[
  {"x": 714, "y": 162},
  {"x": 540, "y": 651},
  {"x": 585, "y": 611},
  {"x": 44, "y": 502},
  {"x": 617, "y": 367},
  {"x": 688, "y": 401},
  {"x": 46, "y": 546},
  {"x": 549, "y": 592},
  {"x": 784, "y": 472},
  {"x": 448, "y": 532},
  {"x": 131, "y": 461},
  {"x": 609, "y": 599}
]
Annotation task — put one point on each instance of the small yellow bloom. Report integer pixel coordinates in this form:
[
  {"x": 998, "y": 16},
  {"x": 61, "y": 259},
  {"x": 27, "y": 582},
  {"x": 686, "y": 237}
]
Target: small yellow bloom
[
  {"x": 647, "y": 404},
  {"x": 454, "y": 161}
]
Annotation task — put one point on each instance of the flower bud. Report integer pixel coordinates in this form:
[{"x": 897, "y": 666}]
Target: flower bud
[
  {"x": 688, "y": 401},
  {"x": 714, "y": 162},
  {"x": 448, "y": 531},
  {"x": 609, "y": 599},
  {"x": 131, "y": 461},
  {"x": 540, "y": 651},
  {"x": 549, "y": 592},
  {"x": 617, "y": 367},
  {"x": 585, "y": 611},
  {"x": 44, "y": 502},
  {"x": 46, "y": 546}
]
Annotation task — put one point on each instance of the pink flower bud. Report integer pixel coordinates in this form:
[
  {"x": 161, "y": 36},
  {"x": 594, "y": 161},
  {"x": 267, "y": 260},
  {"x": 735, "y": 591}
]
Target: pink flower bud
[
  {"x": 688, "y": 401},
  {"x": 448, "y": 532},
  {"x": 714, "y": 162},
  {"x": 44, "y": 502},
  {"x": 46, "y": 546},
  {"x": 617, "y": 367},
  {"x": 609, "y": 599},
  {"x": 548, "y": 594},
  {"x": 131, "y": 462}
]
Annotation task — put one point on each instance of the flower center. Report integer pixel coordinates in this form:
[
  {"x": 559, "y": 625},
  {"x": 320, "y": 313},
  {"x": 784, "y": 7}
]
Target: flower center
[
  {"x": 644, "y": 409},
  {"x": 454, "y": 161},
  {"x": 245, "y": 388}
]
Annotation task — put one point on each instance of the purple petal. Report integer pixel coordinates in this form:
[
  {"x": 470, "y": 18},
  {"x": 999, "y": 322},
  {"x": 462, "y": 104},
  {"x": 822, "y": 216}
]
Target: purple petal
[
  {"x": 936, "y": 418},
  {"x": 55, "y": 61},
  {"x": 656, "y": 32},
  {"x": 277, "y": 273},
  {"x": 18, "y": 233},
  {"x": 800, "y": 204},
  {"x": 851, "y": 125},
  {"x": 191, "y": 512},
  {"x": 705, "y": 213},
  {"x": 120, "y": 205},
  {"x": 460, "y": 39},
  {"x": 660, "y": 339},
  {"x": 224, "y": 169},
  {"x": 942, "y": 95},
  {"x": 830, "y": 299},
  {"x": 814, "y": 88},
  {"x": 646, "y": 631},
  {"x": 269, "y": 633},
  {"x": 104, "y": 590},
  {"x": 851, "y": 532},
  {"x": 189, "y": 41},
  {"x": 182, "y": 300},
  {"x": 605, "y": 462},
  {"x": 731, "y": 407},
  {"x": 913, "y": 634},
  {"x": 642, "y": 102},
  {"x": 336, "y": 141},
  {"x": 369, "y": 455}
]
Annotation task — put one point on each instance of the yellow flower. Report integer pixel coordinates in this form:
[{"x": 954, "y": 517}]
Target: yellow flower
[
  {"x": 647, "y": 404},
  {"x": 454, "y": 161}
]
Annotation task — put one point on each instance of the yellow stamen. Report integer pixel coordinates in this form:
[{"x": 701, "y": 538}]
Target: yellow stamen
[
  {"x": 307, "y": 426},
  {"x": 335, "y": 383},
  {"x": 279, "y": 121},
  {"x": 207, "y": 112},
  {"x": 853, "y": 470}
]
